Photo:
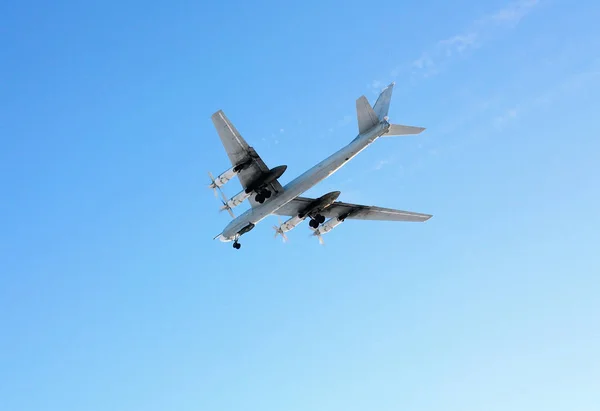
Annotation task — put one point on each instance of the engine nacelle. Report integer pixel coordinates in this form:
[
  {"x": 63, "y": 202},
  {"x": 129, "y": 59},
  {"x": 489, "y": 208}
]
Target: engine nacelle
[
  {"x": 287, "y": 226},
  {"x": 236, "y": 200},
  {"x": 327, "y": 226},
  {"x": 222, "y": 179},
  {"x": 332, "y": 223},
  {"x": 291, "y": 223}
]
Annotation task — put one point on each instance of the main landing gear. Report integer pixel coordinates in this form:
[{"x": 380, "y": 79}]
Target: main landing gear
[
  {"x": 262, "y": 196},
  {"x": 236, "y": 245},
  {"x": 314, "y": 222}
]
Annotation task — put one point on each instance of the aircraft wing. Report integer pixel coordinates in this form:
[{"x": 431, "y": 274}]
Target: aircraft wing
[
  {"x": 358, "y": 212},
  {"x": 239, "y": 152}
]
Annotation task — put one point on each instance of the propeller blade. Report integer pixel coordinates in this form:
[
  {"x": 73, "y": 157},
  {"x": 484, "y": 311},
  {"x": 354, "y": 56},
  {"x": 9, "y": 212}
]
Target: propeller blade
[
  {"x": 215, "y": 187},
  {"x": 213, "y": 184},
  {"x": 317, "y": 233},
  {"x": 225, "y": 199},
  {"x": 226, "y": 207},
  {"x": 279, "y": 231}
]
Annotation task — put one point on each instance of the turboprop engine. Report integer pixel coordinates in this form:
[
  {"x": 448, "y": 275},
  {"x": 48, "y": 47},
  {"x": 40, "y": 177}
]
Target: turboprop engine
[
  {"x": 223, "y": 178},
  {"x": 287, "y": 226},
  {"x": 330, "y": 225},
  {"x": 235, "y": 201},
  {"x": 326, "y": 227}
]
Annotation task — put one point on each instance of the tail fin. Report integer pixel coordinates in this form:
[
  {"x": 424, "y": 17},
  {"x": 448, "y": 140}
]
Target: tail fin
[
  {"x": 365, "y": 114},
  {"x": 382, "y": 105},
  {"x": 369, "y": 117}
]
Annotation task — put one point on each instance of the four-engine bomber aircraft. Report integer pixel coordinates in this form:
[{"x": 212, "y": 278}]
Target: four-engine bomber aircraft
[{"x": 266, "y": 195}]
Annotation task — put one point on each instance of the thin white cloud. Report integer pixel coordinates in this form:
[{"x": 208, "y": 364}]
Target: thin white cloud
[
  {"x": 375, "y": 86},
  {"x": 482, "y": 30},
  {"x": 572, "y": 84},
  {"x": 459, "y": 43},
  {"x": 514, "y": 12},
  {"x": 381, "y": 164}
]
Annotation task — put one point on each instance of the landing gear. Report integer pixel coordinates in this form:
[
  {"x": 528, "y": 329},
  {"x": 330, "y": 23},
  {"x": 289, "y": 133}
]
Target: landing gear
[
  {"x": 237, "y": 245},
  {"x": 316, "y": 220},
  {"x": 262, "y": 196}
]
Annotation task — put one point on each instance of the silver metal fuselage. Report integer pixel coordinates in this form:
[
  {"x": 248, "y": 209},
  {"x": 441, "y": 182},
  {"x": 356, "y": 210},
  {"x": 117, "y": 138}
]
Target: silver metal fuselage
[{"x": 304, "y": 182}]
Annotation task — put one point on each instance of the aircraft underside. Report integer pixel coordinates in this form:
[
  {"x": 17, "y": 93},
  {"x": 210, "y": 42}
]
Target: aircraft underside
[{"x": 266, "y": 196}]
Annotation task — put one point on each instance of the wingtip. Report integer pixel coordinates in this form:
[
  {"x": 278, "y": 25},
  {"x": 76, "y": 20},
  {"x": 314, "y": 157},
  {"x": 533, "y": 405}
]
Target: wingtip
[
  {"x": 217, "y": 113},
  {"x": 389, "y": 86}
]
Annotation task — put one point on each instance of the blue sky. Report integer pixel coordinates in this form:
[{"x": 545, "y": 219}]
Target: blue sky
[{"x": 113, "y": 294}]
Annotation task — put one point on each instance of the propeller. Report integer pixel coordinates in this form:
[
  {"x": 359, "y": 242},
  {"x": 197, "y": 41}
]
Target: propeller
[
  {"x": 279, "y": 230},
  {"x": 225, "y": 206},
  {"x": 213, "y": 185},
  {"x": 317, "y": 233}
]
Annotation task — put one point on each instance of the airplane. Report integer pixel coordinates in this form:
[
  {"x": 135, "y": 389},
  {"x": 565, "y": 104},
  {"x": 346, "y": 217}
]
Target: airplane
[{"x": 266, "y": 195}]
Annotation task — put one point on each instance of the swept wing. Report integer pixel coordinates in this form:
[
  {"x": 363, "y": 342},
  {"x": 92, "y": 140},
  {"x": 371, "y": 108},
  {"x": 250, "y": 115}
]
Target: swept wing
[
  {"x": 357, "y": 211},
  {"x": 239, "y": 152}
]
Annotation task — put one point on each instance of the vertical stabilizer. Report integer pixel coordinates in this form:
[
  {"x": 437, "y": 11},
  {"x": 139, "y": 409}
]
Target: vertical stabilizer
[
  {"x": 365, "y": 114},
  {"x": 382, "y": 105}
]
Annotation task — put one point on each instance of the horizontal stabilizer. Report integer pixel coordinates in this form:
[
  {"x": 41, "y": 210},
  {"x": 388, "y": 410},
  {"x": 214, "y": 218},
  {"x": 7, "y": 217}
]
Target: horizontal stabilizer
[
  {"x": 365, "y": 114},
  {"x": 398, "y": 130}
]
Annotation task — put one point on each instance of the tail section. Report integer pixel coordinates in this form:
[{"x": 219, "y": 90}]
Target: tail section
[{"x": 369, "y": 117}]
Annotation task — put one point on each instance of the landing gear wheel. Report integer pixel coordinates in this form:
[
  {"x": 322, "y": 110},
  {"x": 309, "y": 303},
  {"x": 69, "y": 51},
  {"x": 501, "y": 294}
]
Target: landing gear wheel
[
  {"x": 266, "y": 194},
  {"x": 314, "y": 224},
  {"x": 320, "y": 219},
  {"x": 237, "y": 245},
  {"x": 260, "y": 199}
]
